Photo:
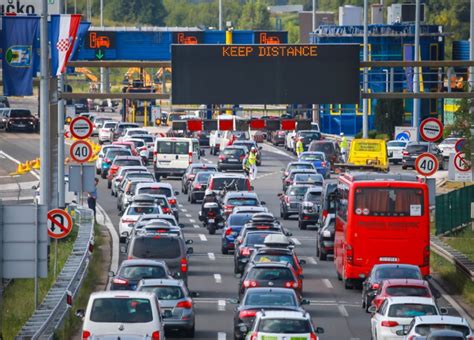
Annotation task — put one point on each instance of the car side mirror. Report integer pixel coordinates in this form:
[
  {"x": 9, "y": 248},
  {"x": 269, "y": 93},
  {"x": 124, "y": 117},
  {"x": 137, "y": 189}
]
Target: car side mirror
[
  {"x": 443, "y": 311},
  {"x": 372, "y": 309},
  {"x": 111, "y": 274},
  {"x": 233, "y": 301},
  {"x": 176, "y": 193},
  {"x": 302, "y": 262},
  {"x": 190, "y": 250},
  {"x": 263, "y": 203},
  {"x": 80, "y": 313},
  {"x": 189, "y": 241},
  {"x": 319, "y": 330},
  {"x": 194, "y": 294},
  {"x": 305, "y": 302},
  {"x": 181, "y": 225}
]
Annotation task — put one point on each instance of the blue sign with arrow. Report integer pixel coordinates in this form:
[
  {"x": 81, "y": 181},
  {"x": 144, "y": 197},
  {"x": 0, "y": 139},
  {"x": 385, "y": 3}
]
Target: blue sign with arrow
[{"x": 403, "y": 136}]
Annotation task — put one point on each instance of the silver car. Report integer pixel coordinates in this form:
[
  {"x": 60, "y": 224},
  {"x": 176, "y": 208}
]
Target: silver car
[{"x": 176, "y": 304}]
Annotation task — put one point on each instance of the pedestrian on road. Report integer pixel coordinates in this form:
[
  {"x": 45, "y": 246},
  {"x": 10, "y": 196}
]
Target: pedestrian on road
[
  {"x": 252, "y": 163},
  {"x": 92, "y": 197},
  {"x": 344, "y": 146},
  {"x": 299, "y": 147}
]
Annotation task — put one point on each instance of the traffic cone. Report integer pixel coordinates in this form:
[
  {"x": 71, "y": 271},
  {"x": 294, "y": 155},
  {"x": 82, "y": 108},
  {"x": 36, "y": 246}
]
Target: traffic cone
[
  {"x": 27, "y": 167},
  {"x": 37, "y": 164},
  {"x": 19, "y": 171}
]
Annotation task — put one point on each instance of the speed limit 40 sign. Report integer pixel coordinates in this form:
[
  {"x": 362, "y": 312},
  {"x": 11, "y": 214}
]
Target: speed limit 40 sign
[
  {"x": 426, "y": 164},
  {"x": 80, "y": 151}
]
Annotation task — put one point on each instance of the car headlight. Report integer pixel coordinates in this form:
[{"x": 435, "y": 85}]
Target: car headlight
[{"x": 308, "y": 204}]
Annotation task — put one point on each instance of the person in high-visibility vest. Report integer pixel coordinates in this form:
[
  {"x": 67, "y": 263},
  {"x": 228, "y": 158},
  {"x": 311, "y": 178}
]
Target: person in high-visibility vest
[
  {"x": 252, "y": 163},
  {"x": 299, "y": 147},
  {"x": 344, "y": 146}
]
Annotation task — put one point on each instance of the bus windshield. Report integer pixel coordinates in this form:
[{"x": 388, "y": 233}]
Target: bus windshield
[{"x": 393, "y": 202}]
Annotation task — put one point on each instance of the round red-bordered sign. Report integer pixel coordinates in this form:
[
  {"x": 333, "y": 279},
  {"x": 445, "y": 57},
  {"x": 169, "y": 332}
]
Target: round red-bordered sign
[
  {"x": 80, "y": 151},
  {"x": 81, "y": 127},
  {"x": 459, "y": 145},
  {"x": 59, "y": 223},
  {"x": 460, "y": 162},
  {"x": 426, "y": 164},
  {"x": 431, "y": 129}
]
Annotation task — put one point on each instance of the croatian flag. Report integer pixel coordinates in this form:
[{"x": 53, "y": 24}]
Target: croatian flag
[{"x": 63, "y": 34}]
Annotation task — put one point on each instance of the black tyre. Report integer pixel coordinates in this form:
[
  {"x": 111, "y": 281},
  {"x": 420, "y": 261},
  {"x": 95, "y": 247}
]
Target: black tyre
[
  {"x": 212, "y": 229},
  {"x": 190, "y": 332},
  {"x": 339, "y": 276},
  {"x": 302, "y": 225},
  {"x": 192, "y": 199},
  {"x": 97, "y": 171},
  {"x": 322, "y": 255},
  {"x": 109, "y": 184},
  {"x": 404, "y": 167},
  {"x": 103, "y": 175},
  {"x": 224, "y": 251}
]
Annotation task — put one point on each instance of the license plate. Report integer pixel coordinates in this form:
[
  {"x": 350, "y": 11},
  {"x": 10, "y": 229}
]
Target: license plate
[
  {"x": 389, "y": 259},
  {"x": 233, "y": 160},
  {"x": 211, "y": 220},
  {"x": 21, "y": 125}
]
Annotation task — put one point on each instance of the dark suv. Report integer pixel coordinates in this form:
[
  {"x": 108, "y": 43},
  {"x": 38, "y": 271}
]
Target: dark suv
[
  {"x": 169, "y": 248},
  {"x": 414, "y": 149},
  {"x": 310, "y": 207},
  {"x": 231, "y": 158},
  {"x": 329, "y": 148},
  {"x": 132, "y": 271},
  {"x": 19, "y": 119}
]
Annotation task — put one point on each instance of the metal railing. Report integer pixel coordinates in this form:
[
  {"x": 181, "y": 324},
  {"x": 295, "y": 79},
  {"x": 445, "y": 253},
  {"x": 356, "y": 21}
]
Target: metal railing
[
  {"x": 50, "y": 314},
  {"x": 453, "y": 256}
]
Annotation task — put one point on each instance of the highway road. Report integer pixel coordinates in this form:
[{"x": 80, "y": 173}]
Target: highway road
[{"x": 332, "y": 307}]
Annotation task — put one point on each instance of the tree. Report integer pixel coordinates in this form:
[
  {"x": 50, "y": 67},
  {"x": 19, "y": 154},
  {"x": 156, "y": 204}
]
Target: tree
[
  {"x": 462, "y": 125},
  {"x": 139, "y": 12},
  {"x": 255, "y": 16},
  {"x": 388, "y": 114}
]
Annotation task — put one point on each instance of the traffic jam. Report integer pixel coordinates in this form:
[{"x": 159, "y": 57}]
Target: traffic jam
[{"x": 262, "y": 230}]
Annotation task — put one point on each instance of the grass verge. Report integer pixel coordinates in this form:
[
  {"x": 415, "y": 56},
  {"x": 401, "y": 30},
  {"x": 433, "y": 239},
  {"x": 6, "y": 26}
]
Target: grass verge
[
  {"x": 18, "y": 299},
  {"x": 71, "y": 322},
  {"x": 454, "y": 279},
  {"x": 462, "y": 241}
]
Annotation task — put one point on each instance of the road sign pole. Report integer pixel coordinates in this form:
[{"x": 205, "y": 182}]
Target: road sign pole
[
  {"x": 55, "y": 257},
  {"x": 416, "y": 80},
  {"x": 36, "y": 253},
  {"x": 365, "y": 103}
]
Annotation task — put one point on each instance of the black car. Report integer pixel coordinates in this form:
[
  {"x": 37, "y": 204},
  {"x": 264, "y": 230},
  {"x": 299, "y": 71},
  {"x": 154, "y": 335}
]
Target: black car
[
  {"x": 307, "y": 136},
  {"x": 328, "y": 201},
  {"x": 191, "y": 172},
  {"x": 4, "y": 102},
  {"x": 278, "y": 138},
  {"x": 325, "y": 238},
  {"x": 231, "y": 158},
  {"x": 19, "y": 120},
  {"x": 244, "y": 249},
  {"x": 265, "y": 298},
  {"x": 414, "y": 149},
  {"x": 132, "y": 271},
  {"x": 203, "y": 137},
  {"x": 310, "y": 207},
  {"x": 197, "y": 187},
  {"x": 382, "y": 272}
]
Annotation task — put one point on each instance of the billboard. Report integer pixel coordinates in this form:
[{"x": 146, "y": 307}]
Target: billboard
[
  {"x": 27, "y": 7},
  {"x": 265, "y": 74},
  {"x": 188, "y": 37}
]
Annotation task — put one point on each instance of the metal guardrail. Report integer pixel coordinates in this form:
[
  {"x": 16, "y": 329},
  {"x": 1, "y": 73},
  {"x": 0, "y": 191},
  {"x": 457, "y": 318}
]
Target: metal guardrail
[
  {"x": 465, "y": 265},
  {"x": 50, "y": 314}
]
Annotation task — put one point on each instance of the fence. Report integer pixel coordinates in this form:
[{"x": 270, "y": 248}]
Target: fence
[{"x": 453, "y": 209}]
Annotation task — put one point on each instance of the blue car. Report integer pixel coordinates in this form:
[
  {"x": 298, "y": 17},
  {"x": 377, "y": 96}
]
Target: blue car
[
  {"x": 109, "y": 158},
  {"x": 232, "y": 228},
  {"x": 318, "y": 159}
]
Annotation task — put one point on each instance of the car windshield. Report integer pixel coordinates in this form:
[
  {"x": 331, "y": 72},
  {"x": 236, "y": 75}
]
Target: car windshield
[
  {"x": 283, "y": 258},
  {"x": 236, "y": 220},
  {"x": 233, "y": 152},
  {"x": 312, "y": 157},
  {"x": 270, "y": 274},
  {"x": 396, "y": 144},
  {"x": 111, "y": 154},
  {"x": 308, "y": 166},
  {"x": 310, "y": 135},
  {"x": 410, "y": 310},
  {"x": 394, "y": 202},
  {"x": 392, "y": 272},
  {"x": 127, "y": 162},
  {"x": 417, "y": 148},
  {"x": 133, "y": 211},
  {"x": 450, "y": 141},
  {"x": 407, "y": 291},
  {"x": 231, "y": 183},
  {"x": 314, "y": 196},
  {"x": 297, "y": 190},
  {"x": 426, "y": 329},
  {"x": 201, "y": 169},
  {"x": 142, "y": 272},
  {"x": 165, "y": 292},
  {"x": 327, "y": 148},
  {"x": 255, "y": 238},
  {"x": 242, "y": 201},
  {"x": 20, "y": 113},
  {"x": 203, "y": 177},
  {"x": 316, "y": 179},
  {"x": 157, "y": 247},
  {"x": 270, "y": 299},
  {"x": 121, "y": 310},
  {"x": 156, "y": 191},
  {"x": 109, "y": 125},
  {"x": 284, "y": 326}
]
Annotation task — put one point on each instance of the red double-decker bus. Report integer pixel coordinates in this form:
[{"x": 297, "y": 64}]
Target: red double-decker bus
[{"x": 380, "y": 218}]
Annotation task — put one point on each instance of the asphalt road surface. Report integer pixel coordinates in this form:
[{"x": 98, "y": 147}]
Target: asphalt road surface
[{"x": 332, "y": 307}]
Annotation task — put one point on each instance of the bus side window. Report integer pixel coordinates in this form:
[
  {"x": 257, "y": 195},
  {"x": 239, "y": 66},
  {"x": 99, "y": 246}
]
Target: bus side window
[{"x": 342, "y": 203}]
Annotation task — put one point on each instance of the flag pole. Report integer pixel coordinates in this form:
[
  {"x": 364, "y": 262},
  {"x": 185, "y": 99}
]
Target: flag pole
[{"x": 61, "y": 103}]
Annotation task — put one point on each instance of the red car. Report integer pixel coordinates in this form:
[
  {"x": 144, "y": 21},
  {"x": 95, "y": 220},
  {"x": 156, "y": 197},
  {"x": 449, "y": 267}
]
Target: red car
[
  {"x": 121, "y": 161},
  {"x": 401, "y": 287},
  {"x": 128, "y": 145}
]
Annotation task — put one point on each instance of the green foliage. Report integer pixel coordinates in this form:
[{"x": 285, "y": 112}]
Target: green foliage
[
  {"x": 139, "y": 12},
  {"x": 461, "y": 126},
  {"x": 388, "y": 114},
  {"x": 255, "y": 16}
]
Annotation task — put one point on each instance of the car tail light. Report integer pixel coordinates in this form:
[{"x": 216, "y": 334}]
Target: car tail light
[
  {"x": 221, "y": 157},
  {"x": 197, "y": 186},
  {"x": 118, "y": 281},
  {"x": 228, "y": 231},
  {"x": 325, "y": 213},
  {"x": 291, "y": 284},
  {"x": 254, "y": 336},
  {"x": 228, "y": 208},
  {"x": 166, "y": 210},
  {"x": 190, "y": 157},
  {"x": 172, "y": 201},
  {"x": 287, "y": 199},
  {"x": 128, "y": 221},
  {"x": 249, "y": 187},
  {"x": 155, "y": 335},
  {"x": 313, "y": 336},
  {"x": 250, "y": 283},
  {"x": 247, "y": 314},
  {"x": 412, "y": 337},
  {"x": 106, "y": 160},
  {"x": 405, "y": 153},
  {"x": 186, "y": 304},
  {"x": 211, "y": 213},
  {"x": 426, "y": 256},
  {"x": 349, "y": 254},
  {"x": 184, "y": 265},
  {"x": 191, "y": 176},
  {"x": 287, "y": 181},
  {"x": 245, "y": 251},
  {"x": 375, "y": 286},
  {"x": 389, "y": 323},
  {"x": 85, "y": 334},
  {"x": 323, "y": 163}
]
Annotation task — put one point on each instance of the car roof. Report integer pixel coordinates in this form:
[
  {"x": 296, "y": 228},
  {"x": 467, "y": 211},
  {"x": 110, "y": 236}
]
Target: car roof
[
  {"x": 128, "y": 158},
  {"x": 161, "y": 282},
  {"x": 440, "y": 319},
  {"x": 411, "y": 299},
  {"x": 155, "y": 185},
  {"x": 122, "y": 294},
  {"x": 250, "y": 209},
  {"x": 235, "y": 147},
  {"x": 283, "y": 314},
  {"x": 276, "y": 239},
  {"x": 141, "y": 262},
  {"x": 226, "y": 175},
  {"x": 300, "y": 162},
  {"x": 405, "y": 282},
  {"x": 394, "y": 265},
  {"x": 303, "y": 171},
  {"x": 315, "y": 189},
  {"x": 373, "y": 176},
  {"x": 232, "y": 194}
]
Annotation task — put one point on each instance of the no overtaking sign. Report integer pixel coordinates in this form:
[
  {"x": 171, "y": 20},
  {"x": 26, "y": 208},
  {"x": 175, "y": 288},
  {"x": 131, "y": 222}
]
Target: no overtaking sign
[
  {"x": 81, "y": 128},
  {"x": 431, "y": 129}
]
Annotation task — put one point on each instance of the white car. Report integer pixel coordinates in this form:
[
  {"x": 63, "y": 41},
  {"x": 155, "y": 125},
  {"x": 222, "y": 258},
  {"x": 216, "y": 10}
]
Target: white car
[
  {"x": 106, "y": 132},
  {"x": 122, "y": 313},
  {"x": 215, "y": 141},
  {"x": 120, "y": 174},
  {"x": 447, "y": 146},
  {"x": 101, "y": 155},
  {"x": 132, "y": 213},
  {"x": 395, "y": 150},
  {"x": 130, "y": 132},
  {"x": 98, "y": 122},
  {"x": 160, "y": 188},
  {"x": 290, "y": 140},
  {"x": 423, "y": 326},
  {"x": 282, "y": 325},
  {"x": 395, "y": 313}
]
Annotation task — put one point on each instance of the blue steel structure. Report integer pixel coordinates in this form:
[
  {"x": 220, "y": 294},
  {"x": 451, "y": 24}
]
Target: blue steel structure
[{"x": 386, "y": 42}]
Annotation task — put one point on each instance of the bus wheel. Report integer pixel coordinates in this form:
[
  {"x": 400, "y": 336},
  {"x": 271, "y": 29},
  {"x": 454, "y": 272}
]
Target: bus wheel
[
  {"x": 339, "y": 276},
  {"x": 347, "y": 284}
]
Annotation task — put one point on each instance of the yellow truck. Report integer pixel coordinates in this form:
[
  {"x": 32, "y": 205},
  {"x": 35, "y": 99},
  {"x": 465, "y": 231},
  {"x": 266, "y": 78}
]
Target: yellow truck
[{"x": 367, "y": 154}]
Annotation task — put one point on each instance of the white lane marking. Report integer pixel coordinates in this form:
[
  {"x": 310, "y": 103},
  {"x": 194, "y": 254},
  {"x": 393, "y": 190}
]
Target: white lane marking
[
  {"x": 296, "y": 241},
  {"x": 221, "y": 305},
  {"x": 180, "y": 205},
  {"x": 221, "y": 336},
  {"x": 312, "y": 260},
  {"x": 196, "y": 226},
  {"x": 188, "y": 215},
  {"x": 14, "y": 160},
  {"x": 115, "y": 239},
  {"x": 273, "y": 149},
  {"x": 327, "y": 283},
  {"x": 343, "y": 311},
  {"x": 192, "y": 221},
  {"x": 203, "y": 237},
  {"x": 184, "y": 210},
  {"x": 212, "y": 257},
  {"x": 218, "y": 278}
]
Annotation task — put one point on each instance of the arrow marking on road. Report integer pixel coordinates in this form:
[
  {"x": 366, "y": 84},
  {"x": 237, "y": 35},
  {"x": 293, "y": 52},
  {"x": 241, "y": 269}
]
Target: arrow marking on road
[{"x": 218, "y": 278}]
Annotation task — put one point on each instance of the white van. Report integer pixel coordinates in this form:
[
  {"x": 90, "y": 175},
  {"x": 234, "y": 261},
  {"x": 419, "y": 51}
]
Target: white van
[{"x": 172, "y": 155}]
